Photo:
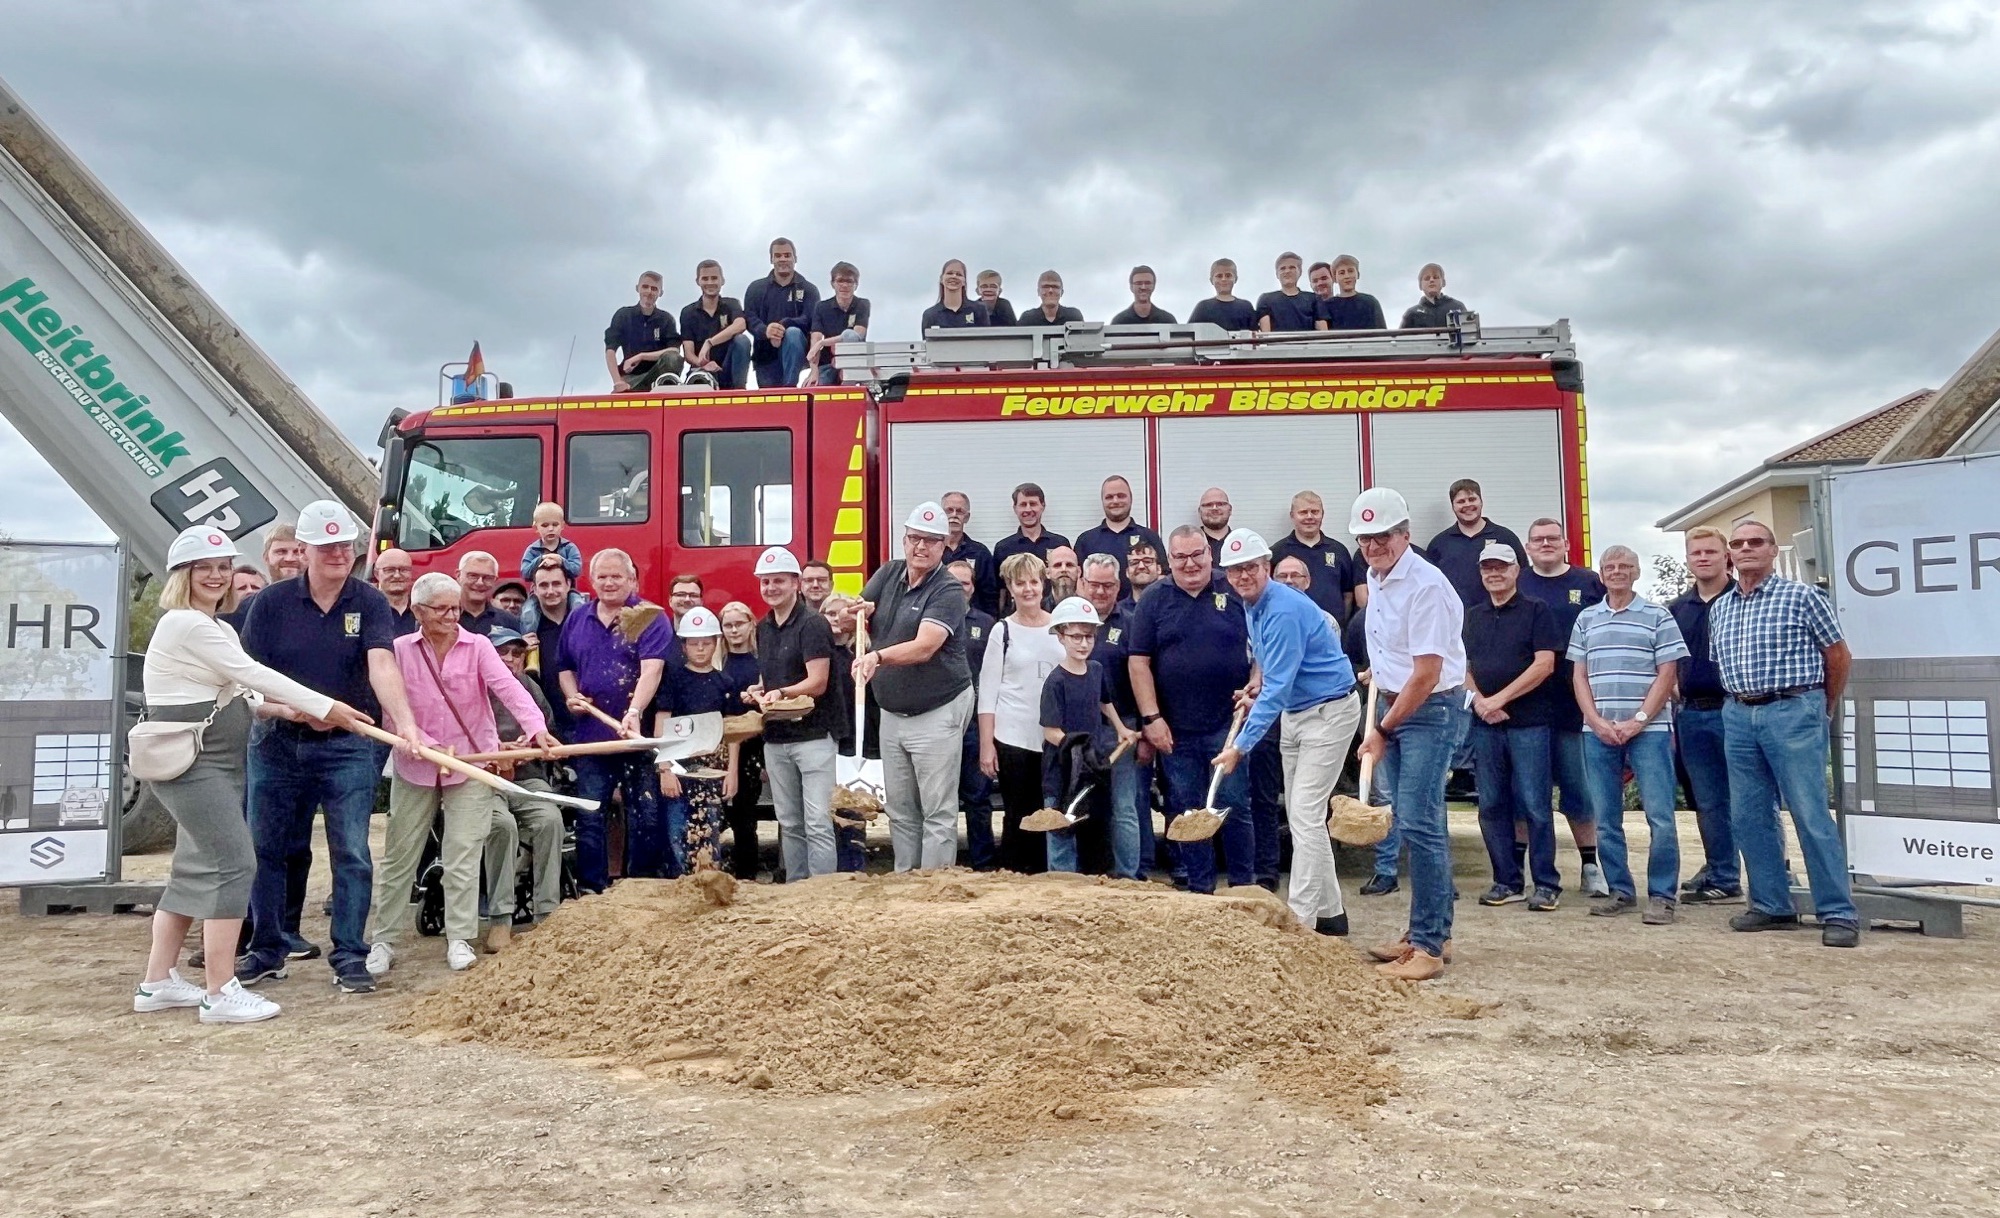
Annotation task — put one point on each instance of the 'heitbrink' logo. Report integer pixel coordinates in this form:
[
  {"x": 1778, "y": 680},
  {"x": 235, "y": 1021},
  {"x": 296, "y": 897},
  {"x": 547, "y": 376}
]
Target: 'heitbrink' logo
[
  {"x": 88, "y": 377},
  {"x": 47, "y": 853}
]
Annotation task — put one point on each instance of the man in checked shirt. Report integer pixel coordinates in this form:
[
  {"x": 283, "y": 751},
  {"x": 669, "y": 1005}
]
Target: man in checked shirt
[{"x": 1784, "y": 664}]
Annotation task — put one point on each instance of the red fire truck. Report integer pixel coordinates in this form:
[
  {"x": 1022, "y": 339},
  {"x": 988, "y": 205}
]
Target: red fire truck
[{"x": 828, "y": 471}]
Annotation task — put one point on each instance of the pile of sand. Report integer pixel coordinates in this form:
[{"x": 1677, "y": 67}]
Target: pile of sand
[{"x": 1030, "y": 999}]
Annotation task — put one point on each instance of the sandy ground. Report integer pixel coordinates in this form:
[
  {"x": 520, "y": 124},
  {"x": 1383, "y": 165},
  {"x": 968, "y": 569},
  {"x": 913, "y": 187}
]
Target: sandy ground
[{"x": 1681, "y": 1069}]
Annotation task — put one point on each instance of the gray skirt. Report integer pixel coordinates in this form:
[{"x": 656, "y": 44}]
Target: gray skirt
[{"x": 214, "y": 858}]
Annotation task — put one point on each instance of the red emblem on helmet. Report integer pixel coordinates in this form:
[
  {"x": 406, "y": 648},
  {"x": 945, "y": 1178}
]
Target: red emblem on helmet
[
  {"x": 331, "y": 528},
  {"x": 214, "y": 540},
  {"x": 1235, "y": 545},
  {"x": 1368, "y": 513},
  {"x": 930, "y": 515}
]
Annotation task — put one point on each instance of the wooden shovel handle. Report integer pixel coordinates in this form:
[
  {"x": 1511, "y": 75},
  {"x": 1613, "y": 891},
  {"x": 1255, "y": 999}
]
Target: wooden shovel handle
[
  {"x": 440, "y": 758},
  {"x": 1367, "y": 774},
  {"x": 604, "y": 717}
]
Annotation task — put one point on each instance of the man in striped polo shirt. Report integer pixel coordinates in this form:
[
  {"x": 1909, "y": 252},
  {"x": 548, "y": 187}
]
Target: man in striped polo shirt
[{"x": 1627, "y": 651}]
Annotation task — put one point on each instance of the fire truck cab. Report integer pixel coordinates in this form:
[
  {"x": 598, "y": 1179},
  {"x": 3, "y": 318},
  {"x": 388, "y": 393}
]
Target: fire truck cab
[{"x": 828, "y": 471}]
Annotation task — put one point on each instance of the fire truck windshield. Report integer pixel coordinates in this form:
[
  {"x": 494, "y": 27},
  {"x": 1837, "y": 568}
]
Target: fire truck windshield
[{"x": 454, "y": 486}]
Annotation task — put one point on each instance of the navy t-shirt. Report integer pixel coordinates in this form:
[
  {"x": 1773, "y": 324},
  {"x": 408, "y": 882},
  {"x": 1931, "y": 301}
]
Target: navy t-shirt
[
  {"x": 324, "y": 651},
  {"x": 1074, "y": 702},
  {"x": 633, "y": 332},
  {"x": 1357, "y": 312},
  {"x": 1200, "y": 649},
  {"x": 1457, "y": 556},
  {"x": 965, "y": 316},
  {"x": 1567, "y": 595},
  {"x": 830, "y": 319},
  {"x": 1114, "y": 648},
  {"x": 1294, "y": 312},
  {"x": 490, "y": 617},
  {"x": 1101, "y": 538},
  {"x": 742, "y": 669},
  {"x": 697, "y": 326},
  {"x": 1036, "y": 317},
  {"x": 687, "y": 692},
  {"x": 1130, "y": 317},
  {"x": 1000, "y": 312},
  {"x": 1500, "y": 645},
  {"x": 1237, "y": 314}
]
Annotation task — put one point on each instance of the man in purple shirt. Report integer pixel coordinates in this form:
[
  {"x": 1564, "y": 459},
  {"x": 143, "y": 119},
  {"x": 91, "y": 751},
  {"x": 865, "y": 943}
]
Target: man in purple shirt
[{"x": 604, "y": 663}]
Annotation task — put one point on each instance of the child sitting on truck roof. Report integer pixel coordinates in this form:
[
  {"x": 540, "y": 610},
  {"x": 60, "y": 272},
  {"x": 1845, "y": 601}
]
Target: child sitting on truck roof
[{"x": 549, "y": 540}]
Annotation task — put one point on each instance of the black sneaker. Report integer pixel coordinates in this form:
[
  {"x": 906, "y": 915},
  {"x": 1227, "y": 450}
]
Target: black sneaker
[
  {"x": 354, "y": 979},
  {"x": 1544, "y": 900},
  {"x": 1710, "y": 894},
  {"x": 1840, "y": 934},
  {"x": 252, "y": 969},
  {"x": 1757, "y": 919},
  {"x": 1268, "y": 883},
  {"x": 1378, "y": 885},
  {"x": 1501, "y": 895},
  {"x": 1336, "y": 925},
  {"x": 302, "y": 950}
]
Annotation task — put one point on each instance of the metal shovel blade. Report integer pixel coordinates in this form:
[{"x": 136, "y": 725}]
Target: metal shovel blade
[{"x": 690, "y": 736}]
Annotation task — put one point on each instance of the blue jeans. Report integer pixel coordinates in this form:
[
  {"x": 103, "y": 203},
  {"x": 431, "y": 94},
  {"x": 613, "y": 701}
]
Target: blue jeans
[
  {"x": 975, "y": 799},
  {"x": 1388, "y": 851},
  {"x": 1698, "y": 736},
  {"x": 1514, "y": 782},
  {"x": 1142, "y": 805},
  {"x": 778, "y": 367},
  {"x": 1650, "y": 756},
  {"x": 1127, "y": 844},
  {"x": 677, "y": 813},
  {"x": 1779, "y": 750},
  {"x": 1412, "y": 770},
  {"x": 1267, "y": 801},
  {"x": 648, "y": 849},
  {"x": 1187, "y": 773},
  {"x": 1566, "y": 763},
  {"x": 292, "y": 772}
]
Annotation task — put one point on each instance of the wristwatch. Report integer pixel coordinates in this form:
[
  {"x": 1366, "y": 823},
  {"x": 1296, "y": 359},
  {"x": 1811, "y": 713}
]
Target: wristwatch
[{"x": 1641, "y": 716}]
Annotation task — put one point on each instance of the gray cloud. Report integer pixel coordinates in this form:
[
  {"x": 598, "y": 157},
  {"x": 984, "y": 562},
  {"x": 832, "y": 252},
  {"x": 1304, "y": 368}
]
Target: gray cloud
[{"x": 1761, "y": 220}]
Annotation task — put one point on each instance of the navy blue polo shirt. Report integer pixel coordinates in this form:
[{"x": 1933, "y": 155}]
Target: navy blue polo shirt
[
  {"x": 633, "y": 332},
  {"x": 1200, "y": 648},
  {"x": 325, "y": 651},
  {"x": 971, "y": 313},
  {"x": 1000, "y": 312},
  {"x": 698, "y": 325},
  {"x": 1297, "y": 311},
  {"x": 1457, "y": 556},
  {"x": 1038, "y": 317},
  {"x": 1129, "y": 316},
  {"x": 1700, "y": 676},
  {"x": 1018, "y": 543},
  {"x": 831, "y": 320},
  {"x": 978, "y": 628},
  {"x": 1357, "y": 312},
  {"x": 1329, "y": 568},
  {"x": 1114, "y": 648},
  {"x": 1567, "y": 596},
  {"x": 1237, "y": 314},
  {"x": 767, "y": 301},
  {"x": 492, "y": 616},
  {"x": 1118, "y": 543},
  {"x": 1354, "y": 640},
  {"x": 1500, "y": 644},
  {"x": 985, "y": 574}
]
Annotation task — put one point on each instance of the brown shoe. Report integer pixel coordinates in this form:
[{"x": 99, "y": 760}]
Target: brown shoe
[
  {"x": 1392, "y": 952},
  {"x": 498, "y": 936},
  {"x": 1416, "y": 965}
]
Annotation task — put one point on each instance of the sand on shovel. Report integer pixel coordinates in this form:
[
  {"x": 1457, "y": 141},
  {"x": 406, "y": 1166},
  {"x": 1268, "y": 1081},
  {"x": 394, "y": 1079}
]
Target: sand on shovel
[
  {"x": 1045, "y": 820},
  {"x": 1194, "y": 825},
  {"x": 1016, "y": 1006}
]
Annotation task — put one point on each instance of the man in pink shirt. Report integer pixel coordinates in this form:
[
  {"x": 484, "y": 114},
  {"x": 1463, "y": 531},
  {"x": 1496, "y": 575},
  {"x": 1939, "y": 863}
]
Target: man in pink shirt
[{"x": 449, "y": 672}]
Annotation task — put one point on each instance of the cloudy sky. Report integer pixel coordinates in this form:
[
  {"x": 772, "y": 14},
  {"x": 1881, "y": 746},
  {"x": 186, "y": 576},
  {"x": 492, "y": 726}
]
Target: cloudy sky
[{"x": 1761, "y": 219}]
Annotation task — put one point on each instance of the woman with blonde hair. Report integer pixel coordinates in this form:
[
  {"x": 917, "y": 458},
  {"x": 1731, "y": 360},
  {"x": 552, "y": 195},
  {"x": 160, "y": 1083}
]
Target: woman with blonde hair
[
  {"x": 197, "y": 672},
  {"x": 1021, "y": 651}
]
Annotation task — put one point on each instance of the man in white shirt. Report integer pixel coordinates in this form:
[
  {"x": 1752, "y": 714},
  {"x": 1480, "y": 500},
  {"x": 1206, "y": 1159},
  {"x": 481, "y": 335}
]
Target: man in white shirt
[{"x": 1416, "y": 656}]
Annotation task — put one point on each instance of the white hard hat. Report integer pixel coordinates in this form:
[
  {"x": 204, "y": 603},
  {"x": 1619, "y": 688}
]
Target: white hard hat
[
  {"x": 1074, "y": 611},
  {"x": 1377, "y": 510},
  {"x": 1499, "y": 551},
  {"x": 777, "y": 561},
  {"x": 700, "y": 623},
  {"x": 324, "y": 522},
  {"x": 201, "y": 541},
  {"x": 1241, "y": 546},
  {"x": 928, "y": 518}
]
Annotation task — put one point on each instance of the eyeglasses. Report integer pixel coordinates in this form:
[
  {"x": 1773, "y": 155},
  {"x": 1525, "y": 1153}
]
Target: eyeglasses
[
  {"x": 1748, "y": 543},
  {"x": 921, "y": 539},
  {"x": 437, "y": 609},
  {"x": 1544, "y": 541},
  {"x": 1373, "y": 539},
  {"x": 1102, "y": 585},
  {"x": 1179, "y": 559}
]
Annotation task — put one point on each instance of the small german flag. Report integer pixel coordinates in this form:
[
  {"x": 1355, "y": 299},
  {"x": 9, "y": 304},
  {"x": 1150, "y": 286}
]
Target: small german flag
[{"x": 475, "y": 367}]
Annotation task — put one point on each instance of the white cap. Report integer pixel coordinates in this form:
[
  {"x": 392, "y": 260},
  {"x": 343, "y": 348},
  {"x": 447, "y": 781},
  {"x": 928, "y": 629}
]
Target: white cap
[
  {"x": 1377, "y": 510},
  {"x": 928, "y": 518},
  {"x": 700, "y": 623},
  {"x": 1241, "y": 546},
  {"x": 324, "y": 523},
  {"x": 777, "y": 561},
  {"x": 1074, "y": 611},
  {"x": 201, "y": 541},
  {"x": 1499, "y": 551}
]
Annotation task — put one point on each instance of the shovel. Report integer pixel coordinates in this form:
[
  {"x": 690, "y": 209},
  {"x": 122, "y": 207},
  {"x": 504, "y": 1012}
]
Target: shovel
[
  {"x": 686, "y": 736},
  {"x": 857, "y": 796},
  {"x": 444, "y": 760},
  {"x": 1351, "y": 821},
  {"x": 1048, "y": 820},
  {"x": 1200, "y": 824}
]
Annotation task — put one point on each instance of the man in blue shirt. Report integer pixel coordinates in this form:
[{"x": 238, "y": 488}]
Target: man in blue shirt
[
  {"x": 1305, "y": 685},
  {"x": 1567, "y": 591},
  {"x": 1118, "y": 532},
  {"x": 1699, "y": 736},
  {"x": 778, "y": 310}
]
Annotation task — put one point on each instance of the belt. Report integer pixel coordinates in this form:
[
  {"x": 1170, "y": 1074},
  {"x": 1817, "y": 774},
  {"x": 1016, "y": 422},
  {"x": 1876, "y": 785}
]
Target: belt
[
  {"x": 1792, "y": 691},
  {"x": 1705, "y": 702},
  {"x": 1393, "y": 694},
  {"x": 1336, "y": 699}
]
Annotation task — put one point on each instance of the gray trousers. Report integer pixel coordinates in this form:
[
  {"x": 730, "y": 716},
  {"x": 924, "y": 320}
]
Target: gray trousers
[
  {"x": 920, "y": 768},
  {"x": 801, "y": 778},
  {"x": 476, "y": 826},
  {"x": 539, "y": 825}
]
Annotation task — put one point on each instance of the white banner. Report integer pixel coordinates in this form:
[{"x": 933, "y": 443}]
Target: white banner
[
  {"x": 1942, "y": 851},
  {"x": 1916, "y": 558},
  {"x": 52, "y": 858}
]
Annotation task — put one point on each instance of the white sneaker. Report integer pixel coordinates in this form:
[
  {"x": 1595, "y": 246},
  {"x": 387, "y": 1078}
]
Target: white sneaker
[
  {"x": 175, "y": 991},
  {"x": 1593, "y": 881},
  {"x": 236, "y": 1005},
  {"x": 459, "y": 955},
  {"x": 381, "y": 958}
]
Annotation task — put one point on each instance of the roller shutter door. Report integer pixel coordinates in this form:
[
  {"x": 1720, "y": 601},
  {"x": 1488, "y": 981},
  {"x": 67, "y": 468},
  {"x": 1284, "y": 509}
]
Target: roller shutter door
[
  {"x": 1514, "y": 455},
  {"x": 987, "y": 460},
  {"x": 1262, "y": 463}
]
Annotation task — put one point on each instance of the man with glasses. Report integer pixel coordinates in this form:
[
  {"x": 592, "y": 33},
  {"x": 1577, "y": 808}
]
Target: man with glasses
[
  {"x": 1142, "y": 568},
  {"x": 478, "y": 575},
  {"x": 973, "y": 553},
  {"x": 917, "y": 668},
  {"x": 1416, "y": 652},
  {"x": 1784, "y": 664},
  {"x": 1567, "y": 591}
]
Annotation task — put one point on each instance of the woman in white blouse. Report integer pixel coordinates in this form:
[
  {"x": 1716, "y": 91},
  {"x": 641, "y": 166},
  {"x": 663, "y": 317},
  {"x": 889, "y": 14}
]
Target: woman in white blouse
[
  {"x": 196, "y": 671},
  {"x": 1020, "y": 654}
]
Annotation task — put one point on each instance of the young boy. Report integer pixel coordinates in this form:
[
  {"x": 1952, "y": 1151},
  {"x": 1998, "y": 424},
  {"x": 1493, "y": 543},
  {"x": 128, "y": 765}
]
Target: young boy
[
  {"x": 1223, "y": 309},
  {"x": 1077, "y": 699},
  {"x": 641, "y": 343},
  {"x": 1435, "y": 310},
  {"x": 998, "y": 311},
  {"x": 1287, "y": 309},
  {"x": 1350, "y": 310},
  {"x": 843, "y": 319},
  {"x": 549, "y": 540}
]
